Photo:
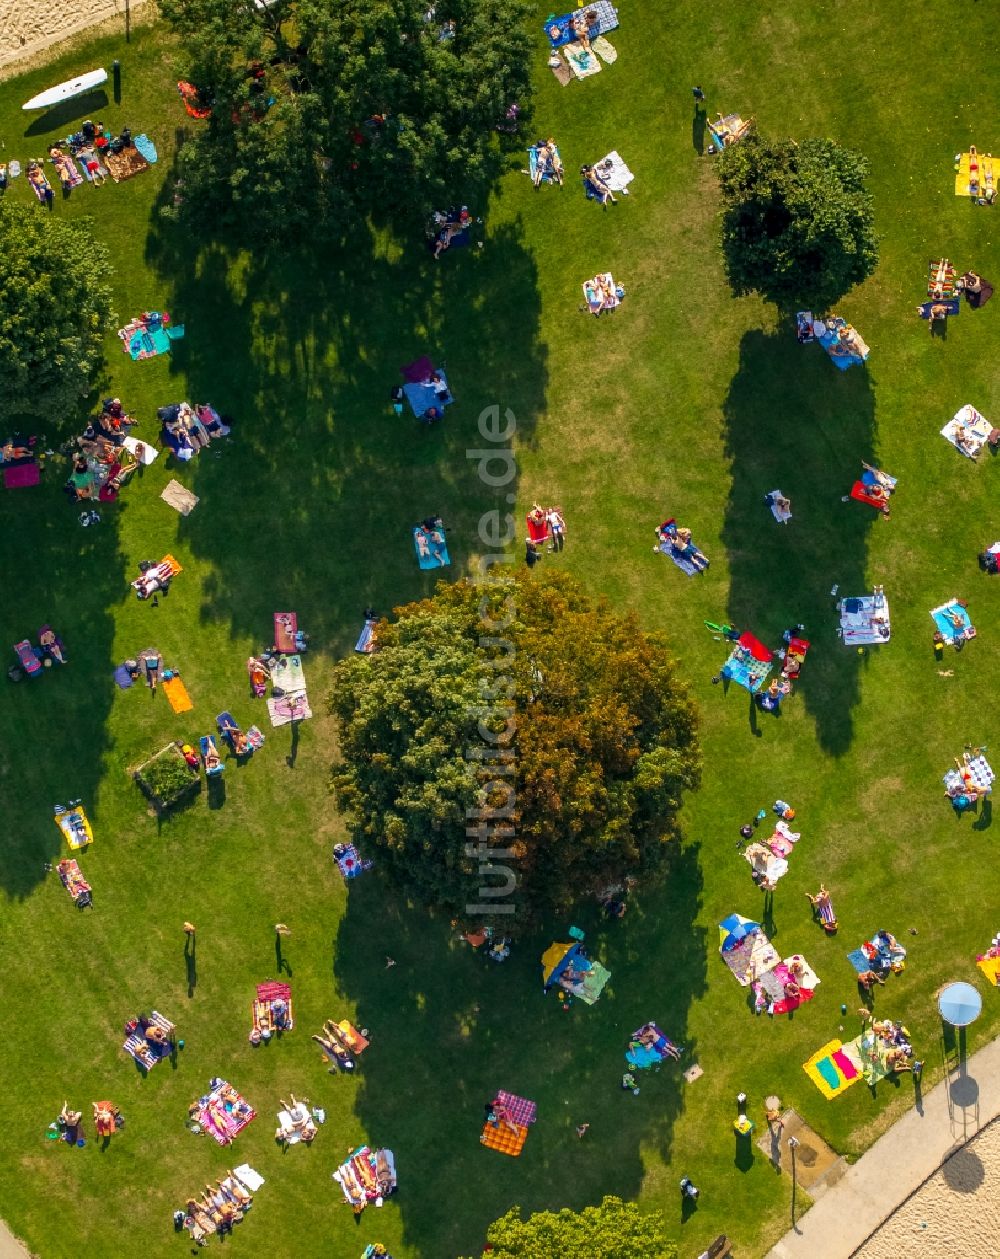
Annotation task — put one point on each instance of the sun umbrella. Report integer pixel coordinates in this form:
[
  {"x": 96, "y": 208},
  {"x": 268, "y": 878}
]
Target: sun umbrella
[
  {"x": 734, "y": 929},
  {"x": 960, "y": 1004}
]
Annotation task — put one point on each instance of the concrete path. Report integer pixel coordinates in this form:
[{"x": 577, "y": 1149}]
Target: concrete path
[
  {"x": 899, "y": 1162},
  {"x": 10, "y": 1247}
]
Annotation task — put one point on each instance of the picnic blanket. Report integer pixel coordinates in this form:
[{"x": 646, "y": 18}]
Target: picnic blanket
[
  {"x": 861, "y": 490},
  {"x": 864, "y": 620},
  {"x": 940, "y": 279},
  {"x": 69, "y": 173},
  {"x": 766, "y": 865},
  {"x": 562, "y": 72},
  {"x": 293, "y": 706},
  {"x": 148, "y": 335},
  {"x": 125, "y": 164},
  {"x": 877, "y": 954},
  {"x": 614, "y": 172},
  {"x": 974, "y": 174},
  {"x": 365, "y": 1175},
  {"x": 678, "y": 557},
  {"x": 503, "y": 1138},
  {"x": 953, "y": 622},
  {"x": 366, "y": 643},
  {"x": 835, "y": 1067},
  {"x": 968, "y": 431},
  {"x": 287, "y": 674},
  {"x": 349, "y": 861},
  {"x": 421, "y": 395},
  {"x": 179, "y": 497},
  {"x": 560, "y": 30},
  {"x": 176, "y": 693},
  {"x": 263, "y": 1007},
  {"x": 351, "y": 1037},
  {"x": 143, "y": 451},
  {"x": 990, "y": 966},
  {"x": 644, "y": 1056},
  {"x": 979, "y": 770},
  {"x": 521, "y": 1110},
  {"x": 771, "y": 987},
  {"x": 843, "y": 343},
  {"x": 148, "y": 1053},
  {"x": 605, "y": 49},
  {"x": 749, "y": 663},
  {"x": 978, "y": 299},
  {"x": 224, "y": 1113},
  {"x": 753, "y": 954}
]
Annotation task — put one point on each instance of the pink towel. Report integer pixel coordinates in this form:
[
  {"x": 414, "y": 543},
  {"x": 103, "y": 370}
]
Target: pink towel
[{"x": 844, "y": 1064}]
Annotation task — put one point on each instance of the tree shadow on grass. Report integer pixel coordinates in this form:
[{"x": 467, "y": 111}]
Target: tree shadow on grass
[
  {"x": 795, "y": 423},
  {"x": 449, "y": 1028},
  {"x": 62, "y": 574},
  {"x": 311, "y": 504}
]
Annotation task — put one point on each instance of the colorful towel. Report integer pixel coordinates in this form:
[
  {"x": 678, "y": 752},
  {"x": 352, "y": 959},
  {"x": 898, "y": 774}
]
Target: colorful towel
[
  {"x": 349, "y": 862},
  {"x": 224, "y": 1113},
  {"x": 125, "y": 164},
  {"x": 548, "y": 175},
  {"x": 834, "y": 1068},
  {"x": 263, "y": 1007},
  {"x": 754, "y": 954},
  {"x": 581, "y": 62},
  {"x": 504, "y": 1139},
  {"x": 952, "y": 306},
  {"x": 990, "y": 966},
  {"x": 176, "y": 693}
]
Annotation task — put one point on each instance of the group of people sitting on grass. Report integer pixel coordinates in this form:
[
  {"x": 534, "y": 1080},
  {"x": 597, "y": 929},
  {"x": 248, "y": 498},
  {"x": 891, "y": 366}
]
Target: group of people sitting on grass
[
  {"x": 544, "y": 525},
  {"x": 101, "y": 465},
  {"x": 595, "y": 186},
  {"x": 188, "y": 429},
  {"x": 216, "y": 1211},
  {"x": 678, "y": 539}
]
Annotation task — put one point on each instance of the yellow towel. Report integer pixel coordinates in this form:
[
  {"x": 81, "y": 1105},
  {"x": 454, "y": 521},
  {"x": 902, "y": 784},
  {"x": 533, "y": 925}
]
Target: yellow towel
[
  {"x": 990, "y": 966},
  {"x": 176, "y": 693}
]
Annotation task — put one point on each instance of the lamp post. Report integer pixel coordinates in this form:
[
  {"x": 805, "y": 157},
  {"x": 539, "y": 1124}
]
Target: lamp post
[{"x": 793, "y": 1145}]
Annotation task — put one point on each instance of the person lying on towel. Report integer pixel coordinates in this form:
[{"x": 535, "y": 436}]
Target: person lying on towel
[
  {"x": 547, "y": 162},
  {"x": 236, "y": 736}
]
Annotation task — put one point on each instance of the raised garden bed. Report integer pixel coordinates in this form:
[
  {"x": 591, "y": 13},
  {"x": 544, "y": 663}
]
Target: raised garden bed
[{"x": 166, "y": 779}]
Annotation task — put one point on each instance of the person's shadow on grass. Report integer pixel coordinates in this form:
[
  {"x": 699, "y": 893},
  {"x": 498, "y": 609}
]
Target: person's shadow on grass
[
  {"x": 191, "y": 963},
  {"x": 985, "y": 819},
  {"x": 698, "y": 126},
  {"x": 280, "y": 961}
]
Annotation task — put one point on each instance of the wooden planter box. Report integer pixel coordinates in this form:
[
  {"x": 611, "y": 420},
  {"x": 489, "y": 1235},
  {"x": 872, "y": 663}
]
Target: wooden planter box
[{"x": 166, "y": 779}]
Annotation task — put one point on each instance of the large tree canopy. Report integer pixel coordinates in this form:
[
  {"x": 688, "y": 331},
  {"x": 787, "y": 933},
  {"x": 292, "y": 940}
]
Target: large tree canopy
[
  {"x": 798, "y": 222},
  {"x": 323, "y": 110},
  {"x": 614, "y": 1230},
  {"x": 516, "y": 745},
  {"x": 55, "y": 308}
]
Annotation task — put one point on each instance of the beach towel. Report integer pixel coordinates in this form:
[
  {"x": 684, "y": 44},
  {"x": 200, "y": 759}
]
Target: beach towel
[
  {"x": 40, "y": 189},
  {"x": 248, "y": 1178},
  {"x": 420, "y": 369},
  {"x": 68, "y": 171},
  {"x": 990, "y": 966},
  {"x": 504, "y": 1139},
  {"x": 146, "y": 147},
  {"x": 953, "y": 622},
  {"x": 560, "y": 29},
  {"x": 605, "y": 49},
  {"x": 952, "y": 306},
  {"x": 754, "y": 953},
  {"x": 861, "y": 493},
  {"x": 366, "y": 643},
  {"x": 289, "y": 708},
  {"x": 834, "y": 1068},
  {"x": 255, "y": 737},
  {"x": 179, "y": 497},
  {"x": 876, "y": 954},
  {"x": 681, "y": 560},
  {"x": 980, "y": 775},
  {"x": 176, "y": 693},
  {"x": 263, "y": 1007},
  {"x": 968, "y": 431},
  {"x": 143, "y": 451},
  {"x": 286, "y": 625},
  {"x": 430, "y": 553},
  {"x": 614, "y": 172},
  {"x": 223, "y": 1113},
  {"x": 74, "y": 882},
  {"x": 287, "y": 675},
  {"x": 123, "y": 677},
  {"x": 940, "y": 279},
  {"x": 781, "y": 516},
  {"x": 593, "y": 984},
  {"x": 548, "y": 177}
]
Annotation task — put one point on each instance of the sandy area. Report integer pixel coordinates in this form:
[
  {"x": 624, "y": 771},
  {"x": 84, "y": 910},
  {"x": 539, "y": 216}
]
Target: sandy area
[
  {"x": 955, "y": 1212},
  {"x": 28, "y": 27}
]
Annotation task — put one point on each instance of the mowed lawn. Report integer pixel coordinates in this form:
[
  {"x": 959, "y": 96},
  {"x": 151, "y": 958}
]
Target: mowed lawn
[{"x": 685, "y": 402}]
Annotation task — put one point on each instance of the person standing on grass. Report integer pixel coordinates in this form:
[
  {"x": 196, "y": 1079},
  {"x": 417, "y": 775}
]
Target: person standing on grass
[
  {"x": 152, "y": 662},
  {"x": 699, "y": 96}
]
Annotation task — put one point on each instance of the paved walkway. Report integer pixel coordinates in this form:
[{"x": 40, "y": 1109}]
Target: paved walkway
[
  {"x": 10, "y": 1247},
  {"x": 898, "y": 1163}
]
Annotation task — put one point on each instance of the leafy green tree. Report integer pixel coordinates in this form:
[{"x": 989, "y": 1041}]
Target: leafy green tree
[
  {"x": 614, "y": 1230},
  {"x": 798, "y": 222},
  {"x": 55, "y": 308},
  {"x": 325, "y": 113},
  {"x": 516, "y": 737}
]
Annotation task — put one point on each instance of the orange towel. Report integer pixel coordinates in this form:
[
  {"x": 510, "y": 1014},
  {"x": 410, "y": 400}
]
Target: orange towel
[
  {"x": 175, "y": 568},
  {"x": 176, "y": 693}
]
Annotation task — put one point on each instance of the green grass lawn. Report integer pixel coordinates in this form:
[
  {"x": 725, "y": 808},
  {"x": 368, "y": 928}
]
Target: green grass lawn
[{"x": 685, "y": 402}]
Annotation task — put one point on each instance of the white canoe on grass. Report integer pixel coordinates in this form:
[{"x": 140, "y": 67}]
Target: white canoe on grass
[{"x": 66, "y": 91}]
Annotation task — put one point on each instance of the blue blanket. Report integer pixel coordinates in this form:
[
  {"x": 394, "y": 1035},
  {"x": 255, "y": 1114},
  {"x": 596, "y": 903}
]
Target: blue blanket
[
  {"x": 437, "y": 552},
  {"x": 560, "y": 29},
  {"x": 422, "y": 397}
]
